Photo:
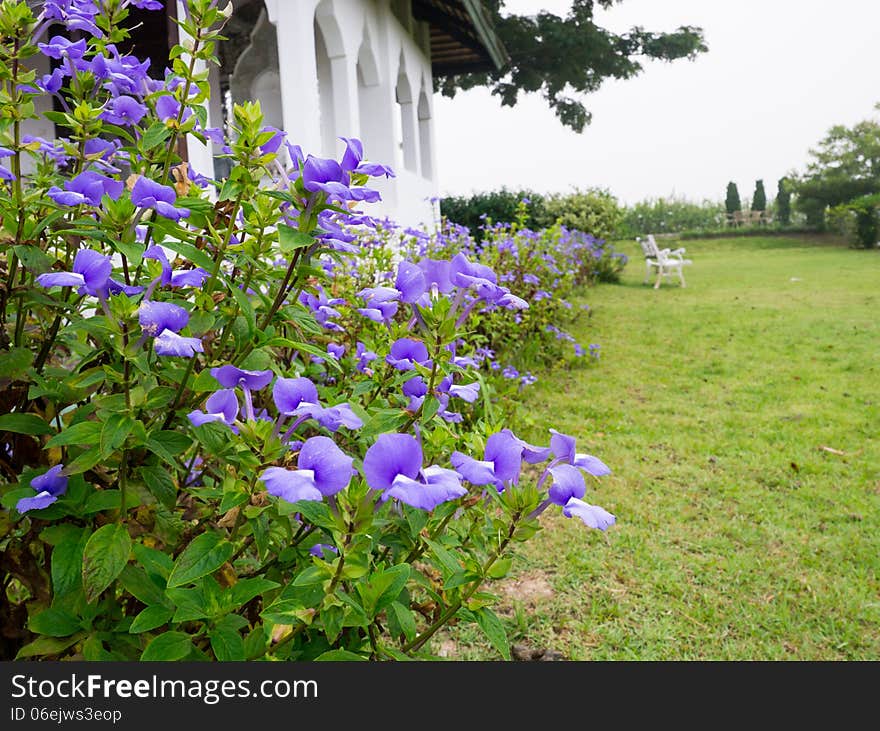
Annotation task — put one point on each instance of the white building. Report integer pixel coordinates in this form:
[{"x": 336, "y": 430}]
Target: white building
[{"x": 322, "y": 69}]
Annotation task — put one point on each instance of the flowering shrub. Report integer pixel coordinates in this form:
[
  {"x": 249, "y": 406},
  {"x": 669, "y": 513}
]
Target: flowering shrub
[{"x": 236, "y": 423}]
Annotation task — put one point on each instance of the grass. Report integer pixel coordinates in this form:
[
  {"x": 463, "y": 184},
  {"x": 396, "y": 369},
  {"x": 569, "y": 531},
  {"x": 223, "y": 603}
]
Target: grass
[{"x": 740, "y": 418}]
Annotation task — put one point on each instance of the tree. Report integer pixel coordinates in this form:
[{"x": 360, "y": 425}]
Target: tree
[
  {"x": 783, "y": 201},
  {"x": 759, "y": 199},
  {"x": 732, "y": 202},
  {"x": 559, "y": 56},
  {"x": 845, "y": 166}
]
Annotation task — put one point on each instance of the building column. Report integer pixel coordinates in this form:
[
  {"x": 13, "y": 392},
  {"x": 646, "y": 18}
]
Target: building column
[{"x": 294, "y": 24}]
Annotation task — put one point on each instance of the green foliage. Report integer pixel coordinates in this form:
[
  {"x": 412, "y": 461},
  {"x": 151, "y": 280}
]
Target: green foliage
[
  {"x": 845, "y": 166},
  {"x": 783, "y": 201},
  {"x": 496, "y": 206},
  {"x": 594, "y": 211},
  {"x": 732, "y": 202},
  {"x": 759, "y": 198},
  {"x": 858, "y": 220},
  {"x": 555, "y": 56},
  {"x": 670, "y": 215}
]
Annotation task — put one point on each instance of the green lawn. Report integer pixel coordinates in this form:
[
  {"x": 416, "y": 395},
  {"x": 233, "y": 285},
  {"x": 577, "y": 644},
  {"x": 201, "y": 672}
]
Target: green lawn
[{"x": 740, "y": 417}]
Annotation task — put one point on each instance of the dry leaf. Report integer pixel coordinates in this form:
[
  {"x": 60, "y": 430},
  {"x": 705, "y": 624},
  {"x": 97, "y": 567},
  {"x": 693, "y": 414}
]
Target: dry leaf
[{"x": 832, "y": 450}]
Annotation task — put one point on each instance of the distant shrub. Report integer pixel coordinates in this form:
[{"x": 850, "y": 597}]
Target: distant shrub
[
  {"x": 732, "y": 202},
  {"x": 670, "y": 215},
  {"x": 593, "y": 210},
  {"x": 858, "y": 220},
  {"x": 497, "y": 206}
]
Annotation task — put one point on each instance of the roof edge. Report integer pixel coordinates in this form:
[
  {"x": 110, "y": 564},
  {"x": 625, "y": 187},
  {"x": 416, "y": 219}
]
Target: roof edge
[{"x": 485, "y": 30}]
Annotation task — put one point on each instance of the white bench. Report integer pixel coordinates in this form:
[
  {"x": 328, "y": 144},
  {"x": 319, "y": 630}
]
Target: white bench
[{"x": 665, "y": 261}]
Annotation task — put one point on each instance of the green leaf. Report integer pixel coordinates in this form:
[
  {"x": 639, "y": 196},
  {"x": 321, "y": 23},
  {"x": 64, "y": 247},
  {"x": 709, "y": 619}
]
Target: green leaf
[
  {"x": 54, "y": 622},
  {"x": 24, "y": 424},
  {"x": 405, "y": 620},
  {"x": 168, "y": 647},
  {"x": 104, "y": 557},
  {"x": 190, "y": 604},
  {"x": 494, "y": 630},
  {"x": 14, "y": 363},
  {"x": 48, "y": 646},
  {"x": 154, "y": 561},
  {"x": 67, "y": 559},
  {"x": 142, "y": 586},
  {"x": 101, "y": 500},
  {"x": 83, "y": 462},
  {"x": 168, "y": 444},
  {"x": 34, "y": 260},
  {"x": 316, "y": 513},
  {"x": 114, "y": 433},
  {"x": 447, "y": 561},
  {"x": 160, "y": 484},
  {"x": 207, "y": 553},
  {"x": 150, "y": 618},
  {"x": 291, "y": 239},
  {"x": 84, "y": 432},
  {"x": 287, "y": 611},
  {"x": 382, "y": 588},
  {"x": 155, "y": 135},
  {"x": 246, "y": 589},
  {"x": 500, "y": 568},
  {"x": 227, "y": 643},
  {"x": 340, "y": 656},
  {"x": 246, "y": 307},
  {"x": 190, "y": 252}
]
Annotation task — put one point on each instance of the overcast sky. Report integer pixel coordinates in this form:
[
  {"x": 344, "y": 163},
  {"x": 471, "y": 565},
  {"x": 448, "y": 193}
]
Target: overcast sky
[{"x": 777, "y": 76}]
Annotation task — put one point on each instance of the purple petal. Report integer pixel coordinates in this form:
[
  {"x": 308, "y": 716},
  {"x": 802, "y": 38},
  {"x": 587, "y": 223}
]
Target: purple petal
[
  {"x": 170, "y": 343},
  {"x": 415, "y": 387},
  {"x": 336, "y": 416},
  {"x": 390, "y": 456},
  {"x": 332, "y": 468},
  {"x": 61, "y": 279},
  {"x": 229, "y": 376},
  {"x": 474, "y": 471},
  {"x": 568, "y": 482},
  {"x": 503, "y": 450},
  {"x": 591, "y": 464},
  {"x": 442, "y": 485},
  {"x": 592, "y": 515},
  {"x": 146, "y": 193},
  {"x": 289, "y": 393},
  {"x": 291, "y": 485},
  {"x": 563, "y": 446},
  {"x": 410, "y": 282},
  {"x": 94, "y": 267},
  {"x": 189, "y": 278},
  {"x": 38, "y": 502},
  {"x": 154, "y": 317},
  {"x": 468, "y": 392},
  {"x": 51, "y": 481},
  {"x": 223, "y": 402},
  {"x": 318, "y": 171}
]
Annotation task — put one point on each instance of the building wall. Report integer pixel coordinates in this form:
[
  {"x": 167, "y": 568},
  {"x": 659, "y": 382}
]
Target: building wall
[{"x": 348, "y": 68}]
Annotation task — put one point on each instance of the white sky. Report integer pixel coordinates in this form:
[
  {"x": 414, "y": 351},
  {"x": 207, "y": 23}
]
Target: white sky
[{"x": 777, "y": 76}]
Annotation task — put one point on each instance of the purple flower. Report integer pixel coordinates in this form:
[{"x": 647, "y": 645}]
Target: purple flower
[
  {"x": 324, "y": 175},
  {"x": 49, "y": 486},
  {"x": 185, "y": 278},
  {"x": 91, "y": 272},
  {"x": 169, "y": 342},
  {"x": 147, "y": 194},
  {"x": 406, "y": 352},
  {"x": 352, "y": 160},
  {"x": 438, "y": 274},
  {"x": 156, "y": 317},
  {"x": 229, "y": 376},
  {"x": 502, "y": 460},
  {"x": 322, "y": 470},
  {"x": 410, "y": 282},
  {"x": 59, "y": 47},
  {"x": 290, "y": 393},
  {"x": 567, "y": 490},
  {"x": 221, "y": 406},
  {"x": 394, "y": 465},
  {"x": 564, "y": 450},
  {"x": 364, "y": 357},
  {"x": 124, "y": 110},
  {"x": 88, "y": 187}
]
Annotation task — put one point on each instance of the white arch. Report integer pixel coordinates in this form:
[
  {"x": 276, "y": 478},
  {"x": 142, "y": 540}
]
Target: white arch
[
  {"x": 404, "y": 96},
  {"x": 425, "y": 146}
]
